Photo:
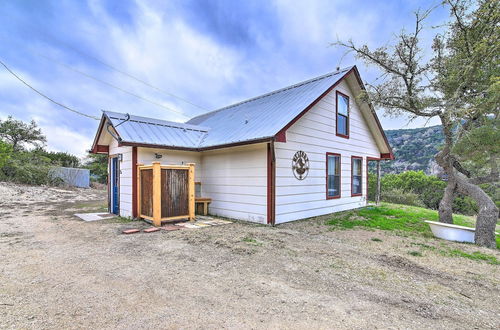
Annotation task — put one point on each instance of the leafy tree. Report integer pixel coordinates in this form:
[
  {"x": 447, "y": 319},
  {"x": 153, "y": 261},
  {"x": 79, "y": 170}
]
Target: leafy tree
[
  {"x": 27, "y": 167},
  {"x": 478, "y": 148},
  {"x": 59, "y": 158},
  {"x": 19, "y": 134},
  {"x": 457, "y": 85},
  {"x": 98, "y": 166},
  {"x": 5, "y": 153}
]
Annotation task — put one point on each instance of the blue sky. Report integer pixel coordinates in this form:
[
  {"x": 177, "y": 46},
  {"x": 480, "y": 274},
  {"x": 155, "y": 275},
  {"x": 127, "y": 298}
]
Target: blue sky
[{"x": 212, "y": 53}]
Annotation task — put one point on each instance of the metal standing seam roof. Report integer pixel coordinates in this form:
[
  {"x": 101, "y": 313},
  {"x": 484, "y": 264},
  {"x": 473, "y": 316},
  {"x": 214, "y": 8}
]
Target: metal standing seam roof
[
  {"x": 257, "y": 118},
  {"x": 144, "y": 130}
]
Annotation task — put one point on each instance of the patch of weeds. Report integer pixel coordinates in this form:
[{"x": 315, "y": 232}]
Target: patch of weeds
[
  {"x": 415, "y": 253},
  {"x": 424, "y": 246},
  {"x": 97, "y": 205},
  {"x": 252, "y": 241},
  {"x": 119, "y": 219},
  {"x": 478, "y": 256},
  {"x": 375, "y": 239}
]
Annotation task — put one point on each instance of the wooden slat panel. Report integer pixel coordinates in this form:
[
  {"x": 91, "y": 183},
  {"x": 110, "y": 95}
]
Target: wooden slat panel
[
  {"x": 175, "y": 198},
  {"x": 146, "y": 192}
]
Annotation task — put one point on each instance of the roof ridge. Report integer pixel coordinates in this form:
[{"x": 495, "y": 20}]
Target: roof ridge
[{"x": 276, "y": 91}]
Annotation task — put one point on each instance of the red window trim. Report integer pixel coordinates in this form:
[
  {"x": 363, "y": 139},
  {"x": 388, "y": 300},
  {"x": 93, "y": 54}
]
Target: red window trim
[
  {"x": 352, "y": 176},
  {"x": 368, "y": 159},
  {"x": 340, "y": 177},
  {"x": 345, "y": 136}
]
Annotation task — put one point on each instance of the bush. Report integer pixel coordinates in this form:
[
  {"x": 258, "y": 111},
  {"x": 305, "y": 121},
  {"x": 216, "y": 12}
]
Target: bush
[
  {"x": 465, "y": 205},
  {"x": 399, "y": 196},
  {"x": 5, "y": 153},
  {"x": 28, "y": 168},
  {"x": 59, "y": 158},
  {"x": 417, "y": 188}
]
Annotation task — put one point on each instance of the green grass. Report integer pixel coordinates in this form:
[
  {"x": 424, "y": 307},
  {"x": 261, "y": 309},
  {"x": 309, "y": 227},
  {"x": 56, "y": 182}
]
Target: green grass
[
  {"x": 402, "y": 219},
  {"x": 415, "y": 253},
  {"x": 252, "y": 241},
  {"x": 406, "y": 221},
  {"x": 474, "y": 256}
]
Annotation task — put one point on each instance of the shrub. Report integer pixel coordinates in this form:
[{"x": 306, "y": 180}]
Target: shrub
[
  {"x": 420, "y": 189},
  {"x": 28, "y": 168},
  {"x": 399, "y": 196},
  {"x": 5, "y": 153}
]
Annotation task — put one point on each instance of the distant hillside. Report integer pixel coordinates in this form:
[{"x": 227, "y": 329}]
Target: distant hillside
[{"x": 414, "y": 149}]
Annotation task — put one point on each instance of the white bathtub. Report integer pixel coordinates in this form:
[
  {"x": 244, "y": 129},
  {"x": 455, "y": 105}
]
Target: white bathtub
[{"x": 452, "y": 232}]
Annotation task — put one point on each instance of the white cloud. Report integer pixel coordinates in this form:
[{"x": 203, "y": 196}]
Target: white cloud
[{"x": 163, "y": 49}]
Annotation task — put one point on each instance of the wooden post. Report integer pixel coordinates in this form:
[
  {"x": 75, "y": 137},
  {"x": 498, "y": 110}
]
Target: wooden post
[
  {"x": 191, "y": 191},
  {"x": 138, "y": 201},
  {"x": 377, "y": 195},
  {"x": 156, "y": 194}
]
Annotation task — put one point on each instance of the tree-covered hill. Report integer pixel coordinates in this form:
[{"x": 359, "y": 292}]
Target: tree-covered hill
[{"x": 414, "y": 149}]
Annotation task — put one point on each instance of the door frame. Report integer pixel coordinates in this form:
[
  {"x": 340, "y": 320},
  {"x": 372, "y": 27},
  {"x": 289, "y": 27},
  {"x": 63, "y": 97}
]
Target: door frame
[{"x": 112, "y": 181}]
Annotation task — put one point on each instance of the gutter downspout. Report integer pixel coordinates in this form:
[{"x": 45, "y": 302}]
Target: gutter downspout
[{"x": 271, "y": 183}]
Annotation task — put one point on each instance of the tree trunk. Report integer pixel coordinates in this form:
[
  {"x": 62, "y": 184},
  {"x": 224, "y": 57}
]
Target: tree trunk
[
  {"x": 488, "y": 212},
  {"x": 487, "y": 216},
  {"x": 443, "y": 159},
  {"x": 446, "y": 204}
]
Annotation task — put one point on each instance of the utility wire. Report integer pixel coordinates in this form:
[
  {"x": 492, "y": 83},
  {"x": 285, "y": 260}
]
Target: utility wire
[
  {"x": 45, "y": 35},
  {"x": 45, "y": 96},
  {"x": 138, "y": 79},
  {"x": 123, "y": 72},
  {"x": 111, "y": 85}
]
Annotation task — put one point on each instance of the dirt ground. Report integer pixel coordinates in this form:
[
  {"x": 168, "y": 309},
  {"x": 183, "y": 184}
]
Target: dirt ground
[{"x": 59, "y": 272}]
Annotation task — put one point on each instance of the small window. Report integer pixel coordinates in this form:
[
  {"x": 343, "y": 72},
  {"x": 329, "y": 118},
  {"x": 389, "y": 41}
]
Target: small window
[
  {"x": 357, "y": 177},
  {"x": 342, "y": 115},
  {"x": 197, "y": 189},
  {"x": 333, "y": 175}
]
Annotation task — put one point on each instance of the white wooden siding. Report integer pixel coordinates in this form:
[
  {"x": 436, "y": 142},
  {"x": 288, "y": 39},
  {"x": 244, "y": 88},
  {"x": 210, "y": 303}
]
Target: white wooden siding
[
  {"x": 236, "y": 180},
  {"x": 146, "y": 156},
  {"x": 314, "y": 133},
  {"x": 125, "y": 177}
]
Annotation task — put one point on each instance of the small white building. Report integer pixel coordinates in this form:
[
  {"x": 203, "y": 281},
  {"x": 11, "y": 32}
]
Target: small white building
[{"x": 294, "y": 153}]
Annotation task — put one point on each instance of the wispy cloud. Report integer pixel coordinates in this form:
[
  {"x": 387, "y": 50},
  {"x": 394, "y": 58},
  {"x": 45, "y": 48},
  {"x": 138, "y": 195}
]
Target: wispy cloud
[{"x": 212, "y": 53}]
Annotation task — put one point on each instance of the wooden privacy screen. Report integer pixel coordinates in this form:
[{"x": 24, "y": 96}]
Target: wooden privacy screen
[
  {"x": 146, "y": 192},
  {"x": 174, "y": 192},
  {"x": 165, "y": 192}
]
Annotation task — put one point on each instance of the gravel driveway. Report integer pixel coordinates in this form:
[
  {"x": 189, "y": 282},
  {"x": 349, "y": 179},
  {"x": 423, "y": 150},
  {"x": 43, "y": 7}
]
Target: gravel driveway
[{"x": 59, "y": 272}]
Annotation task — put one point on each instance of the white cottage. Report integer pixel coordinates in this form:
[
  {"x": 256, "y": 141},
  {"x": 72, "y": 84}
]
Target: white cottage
[{"x": 294, "y": 153}]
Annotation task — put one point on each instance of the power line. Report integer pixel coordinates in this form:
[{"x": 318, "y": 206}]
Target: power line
[
  {"x": 45, "y": 96},
  {"x": 111, "y": 85},
  {"x": 33, "y": 30},
  {"x": 121, "y": 71},
  {"x": 137, "y": 79}
]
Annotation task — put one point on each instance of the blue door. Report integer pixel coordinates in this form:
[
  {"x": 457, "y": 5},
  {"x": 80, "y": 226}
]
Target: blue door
[{"x": 115, "y": 192}]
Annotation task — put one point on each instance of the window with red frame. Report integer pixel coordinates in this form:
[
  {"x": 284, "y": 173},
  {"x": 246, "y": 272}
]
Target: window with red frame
[
  {"x": 357, "y": 177},
  {"x": 342, "y": 115},
  {"x": 333, "y": 175}
]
